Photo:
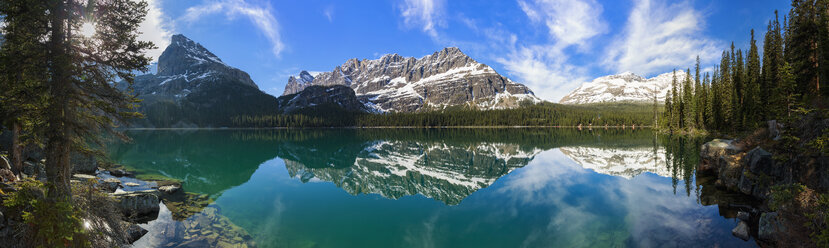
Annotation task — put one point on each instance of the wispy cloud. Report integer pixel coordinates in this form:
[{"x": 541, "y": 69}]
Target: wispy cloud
[
  {"x": 545, "y": 67},
  {"x": 569, "y": 22},
  {"x": 427, "y": 15},
  {"x": 261, "y": 16},
  {"x": 156, "y": 28},
  {"x": 328, "y": 12},
  {"x": 658, "y": 37}
]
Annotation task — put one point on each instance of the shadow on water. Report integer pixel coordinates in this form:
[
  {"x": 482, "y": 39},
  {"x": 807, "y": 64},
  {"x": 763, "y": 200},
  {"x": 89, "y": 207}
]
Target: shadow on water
[{"x": 444, "y": 165}]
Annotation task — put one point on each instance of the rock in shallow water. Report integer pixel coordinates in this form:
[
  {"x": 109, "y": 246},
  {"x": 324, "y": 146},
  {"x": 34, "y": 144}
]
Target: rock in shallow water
[
  {"x": 741, "y": 231},
  {"x": 135, "y": 232},
  {"x": 138, "y": 206},
  {"x": 110, "y": 184}
]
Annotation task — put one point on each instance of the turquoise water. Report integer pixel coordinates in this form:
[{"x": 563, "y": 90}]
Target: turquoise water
[{"x": 442, "y": 187}]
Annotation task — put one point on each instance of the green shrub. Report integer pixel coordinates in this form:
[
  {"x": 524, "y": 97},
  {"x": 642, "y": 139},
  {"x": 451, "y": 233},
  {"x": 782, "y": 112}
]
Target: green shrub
[
  {"x": 819, "y": 221},
  {"x": 47, "y": 223},
  {"x": 784, "y": 195}
]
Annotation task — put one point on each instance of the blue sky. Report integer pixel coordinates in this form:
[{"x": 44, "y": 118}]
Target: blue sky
[{"x": 552, "y": 46}]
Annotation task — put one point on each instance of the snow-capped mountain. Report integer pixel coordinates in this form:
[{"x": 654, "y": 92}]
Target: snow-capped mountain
[
  {"x": 625, "y": 87},
  {"x": 622, "y": 162},
  {"x": 445, "y": 78},
  {"x": 194, "y": 87}
]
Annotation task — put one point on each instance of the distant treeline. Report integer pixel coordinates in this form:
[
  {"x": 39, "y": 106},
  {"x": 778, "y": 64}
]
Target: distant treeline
[{"x": 544, "y": 114}]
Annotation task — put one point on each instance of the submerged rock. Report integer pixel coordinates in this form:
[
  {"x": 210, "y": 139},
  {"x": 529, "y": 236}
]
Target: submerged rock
[
  {"x": 138, "y": 206},
  {"x": 741, "y": 231},
  {"x": 121, "y": 173},
  {"x": 135, "y": 232}
]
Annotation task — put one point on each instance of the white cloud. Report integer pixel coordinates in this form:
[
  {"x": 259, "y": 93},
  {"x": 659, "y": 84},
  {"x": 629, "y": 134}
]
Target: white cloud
[
  {"x": 155, "y": 28},
  {"x": 569, "y": 22},
  {"x": 659, "y": 37},
  {"x": 328, "y": 12},
  {"x": 260, "y": 16},
  {"x": 546, "y": 68},
  {"x": 424, "y": 14}
]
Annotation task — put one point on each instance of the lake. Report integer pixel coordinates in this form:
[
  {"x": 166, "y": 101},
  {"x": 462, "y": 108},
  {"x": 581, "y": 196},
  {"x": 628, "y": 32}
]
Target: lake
[{"x": 433, "y": 188}]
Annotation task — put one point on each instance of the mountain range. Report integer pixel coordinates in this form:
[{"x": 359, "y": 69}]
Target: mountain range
[
  {"x": 624, "y": 87},
  {"x": 443, "y": 79}
]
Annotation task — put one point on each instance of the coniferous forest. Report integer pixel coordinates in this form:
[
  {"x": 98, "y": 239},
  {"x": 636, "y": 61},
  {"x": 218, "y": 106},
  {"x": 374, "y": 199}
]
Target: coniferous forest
[{"x": 750, "y": 87}]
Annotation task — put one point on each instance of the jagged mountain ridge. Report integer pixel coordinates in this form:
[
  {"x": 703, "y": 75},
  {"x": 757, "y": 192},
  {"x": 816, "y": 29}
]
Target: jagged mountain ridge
[
  {"x": 407, "y": 84},
  {"x": 193, "y": 87},
  {"x": 624, "y": 87}
]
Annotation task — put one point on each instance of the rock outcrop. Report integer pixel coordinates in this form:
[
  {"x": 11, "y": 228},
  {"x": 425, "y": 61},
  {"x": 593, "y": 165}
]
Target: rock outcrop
[
  {"x": 338, "y": 96},
  {"x": 446, "y": 78}
]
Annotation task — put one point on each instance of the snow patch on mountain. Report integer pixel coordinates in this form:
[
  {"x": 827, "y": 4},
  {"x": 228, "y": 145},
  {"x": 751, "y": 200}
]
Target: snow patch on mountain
[{"x": 624, "y": 87}]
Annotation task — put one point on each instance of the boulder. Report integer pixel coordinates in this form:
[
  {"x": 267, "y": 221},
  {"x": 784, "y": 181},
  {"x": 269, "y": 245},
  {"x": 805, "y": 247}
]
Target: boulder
[
  {"x": 759, "y": 161},
  {"x": 712, "y": 151},
  {"x": 7, "y": 175},
  {"x": 741, "y": 231},
  {"x": 33, "y": 169},
  {"x": 83, "y": 163},
  {"x": 110, "y": 184},
  {"x": 746, "y": 182},
  {"x": 131, "y": 184},
  {"x": 135, "y": 232},
  {"x": 138, "y": 206},
  {"x": 770, "y": 226},
  {"x": 730, "y": 172}
]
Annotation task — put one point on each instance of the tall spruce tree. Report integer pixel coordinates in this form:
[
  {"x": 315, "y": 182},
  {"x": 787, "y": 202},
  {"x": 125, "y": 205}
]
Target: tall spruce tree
[
  {"x": 752, "y": 101},
  {"x": 676, "y": 104},
  {"x": 22, "y": 73},
  {"x": 697, "y": 96},
  {"x": 84, "y": 100},
  {"x": 803, "y": 46},
  {"x": 687, "y": 99}
]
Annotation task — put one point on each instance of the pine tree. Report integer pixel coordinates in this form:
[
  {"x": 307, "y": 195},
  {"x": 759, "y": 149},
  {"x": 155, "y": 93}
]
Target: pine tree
[
  {"x": 698, "y": 105},
  {"x": 22, "y": 73},
  {"x": 725, "y": 91},
  {"x": 675, "y": 107},
  {"x": 803, "y": 48},
  {"x": 752, "y": 88},
  {"x": 687, "y": 99},
  {"x": 83, "y": 100}
]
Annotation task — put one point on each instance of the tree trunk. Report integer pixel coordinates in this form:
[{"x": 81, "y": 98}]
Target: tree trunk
[
  {"x": 58, "y": 140},
  {"x": 17, "y": 150}
]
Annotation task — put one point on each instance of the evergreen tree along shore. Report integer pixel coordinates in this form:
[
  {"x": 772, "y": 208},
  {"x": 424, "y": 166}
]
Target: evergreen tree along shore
[
  {"x": 745, "y": 91},
  {"x": 543, "y": 114}
]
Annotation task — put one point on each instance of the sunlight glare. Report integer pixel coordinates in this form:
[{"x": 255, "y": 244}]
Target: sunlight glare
[{"x": 87, "y": 29}]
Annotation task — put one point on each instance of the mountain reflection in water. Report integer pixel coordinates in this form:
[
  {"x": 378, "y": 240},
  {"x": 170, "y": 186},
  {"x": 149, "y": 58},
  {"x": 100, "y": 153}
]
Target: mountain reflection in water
[{"x": 531, "y": 187}]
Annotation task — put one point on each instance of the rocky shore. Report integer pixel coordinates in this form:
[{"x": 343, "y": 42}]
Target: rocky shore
[
  {"x": 187, "y": 220},
  {"x": 787, "y": 184}
]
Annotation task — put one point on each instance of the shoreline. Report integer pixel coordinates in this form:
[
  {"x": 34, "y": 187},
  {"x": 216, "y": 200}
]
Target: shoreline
[{"x": 385, "y": 127}]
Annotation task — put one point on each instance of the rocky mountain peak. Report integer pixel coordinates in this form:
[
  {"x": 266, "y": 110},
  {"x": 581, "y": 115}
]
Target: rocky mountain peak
[
  {"x": 182, "y": 54},
  {"x": 188, "y": 59},
  {"x": 624, "y": 87},
  {"x": 447, "y": 77}
]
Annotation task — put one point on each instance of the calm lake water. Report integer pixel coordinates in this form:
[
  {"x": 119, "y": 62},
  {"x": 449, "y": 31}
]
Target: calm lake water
[{"x": 439, "y": 187}]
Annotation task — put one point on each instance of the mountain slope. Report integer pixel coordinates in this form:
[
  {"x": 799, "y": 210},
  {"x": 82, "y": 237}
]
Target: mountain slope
[
  {"x": 193, "y": 87},
  {"x": 445, "y": 78},
  {"x": 625, "y": 87}
]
